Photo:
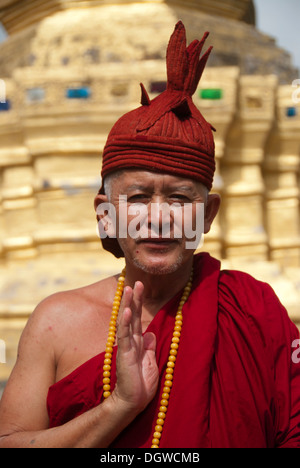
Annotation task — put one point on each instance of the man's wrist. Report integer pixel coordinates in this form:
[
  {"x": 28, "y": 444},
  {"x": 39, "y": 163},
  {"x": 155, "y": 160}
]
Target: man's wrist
[{"x": 123, "y": 408}]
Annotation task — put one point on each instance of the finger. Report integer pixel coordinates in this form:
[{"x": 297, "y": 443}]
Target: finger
[
  {"x": 124, "y": 331},
  {"x": 149, "y": 341},
  {"x": 126, "y": 298},
  {"x": 136, "y": 307}
]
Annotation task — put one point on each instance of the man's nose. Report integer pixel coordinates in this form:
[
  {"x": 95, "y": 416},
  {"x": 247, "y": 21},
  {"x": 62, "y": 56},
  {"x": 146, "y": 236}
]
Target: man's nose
[{"x": 159, "y": 218}]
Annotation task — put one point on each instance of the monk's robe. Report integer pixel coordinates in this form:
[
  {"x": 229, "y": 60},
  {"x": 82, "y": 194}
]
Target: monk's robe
[{"x": 235, "y": 383}]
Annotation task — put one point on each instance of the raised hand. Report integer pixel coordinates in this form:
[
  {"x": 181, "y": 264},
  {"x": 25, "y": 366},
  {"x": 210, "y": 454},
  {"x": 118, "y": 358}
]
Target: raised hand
[{"x": 137, "y": 372}]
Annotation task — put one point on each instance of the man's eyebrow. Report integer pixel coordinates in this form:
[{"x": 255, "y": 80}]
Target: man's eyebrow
[
  {"x": 170, "y": 188},
  {"x": 136, "y": 187},
  {"x": 185, "y": 188}
]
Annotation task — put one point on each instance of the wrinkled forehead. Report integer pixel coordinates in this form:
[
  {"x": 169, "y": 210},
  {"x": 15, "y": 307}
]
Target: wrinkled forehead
[{"x": 136, "y": 179}]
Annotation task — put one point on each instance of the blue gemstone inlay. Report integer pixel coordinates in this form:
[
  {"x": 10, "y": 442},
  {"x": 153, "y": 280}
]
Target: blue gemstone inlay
[
  {"x": 78, "y": 93},
  {"x": 291, "y": 111},
  {"x": 35, "y": 94},
  {"x": 5, "y": 106}
]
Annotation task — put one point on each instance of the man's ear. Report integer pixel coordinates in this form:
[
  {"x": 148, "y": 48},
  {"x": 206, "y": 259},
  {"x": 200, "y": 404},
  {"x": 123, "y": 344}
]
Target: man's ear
[
  {"x": 106, "y": 217},
  {"x": 99, "y": 199},
  {"x": 211, "y": 210}
]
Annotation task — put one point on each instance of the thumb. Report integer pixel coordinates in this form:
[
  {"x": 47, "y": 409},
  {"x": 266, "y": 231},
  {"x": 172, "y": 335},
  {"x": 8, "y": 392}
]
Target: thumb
[{"x": 149, "y": 341}]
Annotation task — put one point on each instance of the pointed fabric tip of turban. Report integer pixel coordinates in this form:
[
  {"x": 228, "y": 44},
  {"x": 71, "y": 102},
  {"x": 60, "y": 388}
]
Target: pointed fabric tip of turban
[{"x": 168, "y": 134}]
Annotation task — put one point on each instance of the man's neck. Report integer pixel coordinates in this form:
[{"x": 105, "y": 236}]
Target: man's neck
[{"x": 158, "y": 288}]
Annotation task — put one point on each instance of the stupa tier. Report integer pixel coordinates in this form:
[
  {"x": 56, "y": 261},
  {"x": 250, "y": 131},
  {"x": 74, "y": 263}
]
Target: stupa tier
[{"x": 68, "y": 70}]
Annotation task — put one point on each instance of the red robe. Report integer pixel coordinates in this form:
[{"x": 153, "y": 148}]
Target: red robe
[{"x": 235, "y": 383}]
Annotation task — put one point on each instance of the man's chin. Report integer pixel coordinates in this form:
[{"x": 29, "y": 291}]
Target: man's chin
[{"x": 161, "y": 265}]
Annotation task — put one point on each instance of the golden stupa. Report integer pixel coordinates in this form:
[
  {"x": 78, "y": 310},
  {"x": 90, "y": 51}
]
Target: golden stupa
[{"x": 69, "y": 69}]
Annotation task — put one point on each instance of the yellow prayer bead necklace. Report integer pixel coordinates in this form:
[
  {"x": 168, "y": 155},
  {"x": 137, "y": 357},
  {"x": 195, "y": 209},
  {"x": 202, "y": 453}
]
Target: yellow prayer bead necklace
[
  {"x": 112, "y": 335},
  {"x": 171, "y": 359}
]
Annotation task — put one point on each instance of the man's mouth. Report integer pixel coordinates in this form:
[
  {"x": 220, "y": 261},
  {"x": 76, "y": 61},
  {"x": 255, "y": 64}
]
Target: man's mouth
[{"x": 157, "y": 242}]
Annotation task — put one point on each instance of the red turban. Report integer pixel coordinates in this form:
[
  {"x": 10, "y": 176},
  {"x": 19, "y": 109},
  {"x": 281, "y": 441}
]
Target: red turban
[{"x": 167, "y": 134}]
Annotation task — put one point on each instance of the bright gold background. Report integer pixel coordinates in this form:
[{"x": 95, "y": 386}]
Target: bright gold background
[{"x": 50, "y": 150}]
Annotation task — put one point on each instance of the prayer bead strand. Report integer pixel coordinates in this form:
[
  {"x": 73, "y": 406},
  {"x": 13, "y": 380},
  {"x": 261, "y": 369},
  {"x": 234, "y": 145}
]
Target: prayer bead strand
[
  {"x": 171, "y": 359},
  {"x": 170, "y": 367},
  {"x": 112, "y": 336}
]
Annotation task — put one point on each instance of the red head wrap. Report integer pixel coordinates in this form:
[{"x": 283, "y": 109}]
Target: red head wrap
[{"x": 167, "y": 134}]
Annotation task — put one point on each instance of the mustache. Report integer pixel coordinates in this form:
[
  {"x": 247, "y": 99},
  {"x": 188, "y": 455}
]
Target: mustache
[{"x": 159, "y": 239}]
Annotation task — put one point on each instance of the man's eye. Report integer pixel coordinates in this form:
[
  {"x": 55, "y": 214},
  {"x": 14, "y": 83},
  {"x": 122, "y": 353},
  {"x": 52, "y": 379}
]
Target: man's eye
[
  {"x": 179, "y": 197},
  {"x": 137, "y": 198}
]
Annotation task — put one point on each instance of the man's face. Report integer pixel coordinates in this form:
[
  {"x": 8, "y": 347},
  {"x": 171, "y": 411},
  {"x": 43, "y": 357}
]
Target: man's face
[{"x": 163, "y": 216}]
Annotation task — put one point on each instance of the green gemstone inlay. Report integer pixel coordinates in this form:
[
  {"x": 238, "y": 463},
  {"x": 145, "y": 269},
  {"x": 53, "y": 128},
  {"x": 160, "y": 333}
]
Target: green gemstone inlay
[{"x": 211, "y": 93}]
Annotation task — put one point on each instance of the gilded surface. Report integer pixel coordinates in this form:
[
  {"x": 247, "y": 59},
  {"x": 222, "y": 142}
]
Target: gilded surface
[{"x": 50, "y": 146}]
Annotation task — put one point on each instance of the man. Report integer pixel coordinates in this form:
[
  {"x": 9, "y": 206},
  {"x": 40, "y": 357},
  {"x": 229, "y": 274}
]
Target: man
[{"x": 203, "y": 357}]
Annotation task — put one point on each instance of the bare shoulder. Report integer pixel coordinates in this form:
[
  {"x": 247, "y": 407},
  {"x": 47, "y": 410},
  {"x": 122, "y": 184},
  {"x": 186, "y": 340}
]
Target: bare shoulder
[
  {"x": 69, "y": 320},
  {"x": 63, "y": 331},
  {"x": 74, "y": 323},
  {"x": 76, "y": 303}
]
